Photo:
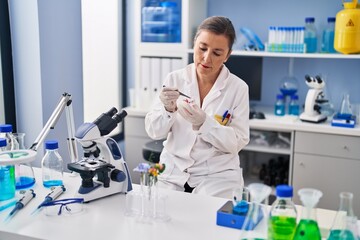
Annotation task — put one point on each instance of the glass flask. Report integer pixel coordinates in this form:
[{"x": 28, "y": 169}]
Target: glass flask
[
  {"x": 282, "y": 219},
  {"x": 345, "y": 110},
  {"x": 308, "y": 228},
  {"x": 24, "y": 173},
  {"x": 345, "y": 223},
  {"x": 289, "y": 85},
  {"x": 259, "y": 193}
]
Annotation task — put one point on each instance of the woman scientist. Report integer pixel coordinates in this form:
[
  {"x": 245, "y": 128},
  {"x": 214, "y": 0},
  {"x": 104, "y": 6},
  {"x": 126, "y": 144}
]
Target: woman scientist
[{"x": 203, "y": 134}]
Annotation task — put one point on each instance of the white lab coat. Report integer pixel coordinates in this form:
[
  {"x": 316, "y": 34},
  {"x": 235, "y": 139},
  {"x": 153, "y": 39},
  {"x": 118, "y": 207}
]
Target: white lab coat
[{"x": 206, "y": 159}]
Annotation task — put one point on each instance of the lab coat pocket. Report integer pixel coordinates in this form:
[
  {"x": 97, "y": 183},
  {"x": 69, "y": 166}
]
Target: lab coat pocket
[{"x": 220, "y": 119}]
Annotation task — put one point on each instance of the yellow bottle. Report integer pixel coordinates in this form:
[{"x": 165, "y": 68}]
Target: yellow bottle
[{"x": 347, "y": 28}]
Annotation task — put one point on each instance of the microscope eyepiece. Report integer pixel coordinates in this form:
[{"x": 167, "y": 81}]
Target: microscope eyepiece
[{"x": 120, "y": 116}]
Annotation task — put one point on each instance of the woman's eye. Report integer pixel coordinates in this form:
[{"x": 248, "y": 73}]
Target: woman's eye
[
  {"x": 203, "y": 49},
  {"x": 217, "y": 54}
]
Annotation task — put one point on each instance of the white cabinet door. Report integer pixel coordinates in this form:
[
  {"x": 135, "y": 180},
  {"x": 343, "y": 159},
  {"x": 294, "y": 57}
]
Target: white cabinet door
[{"x": 331, "y": 175}]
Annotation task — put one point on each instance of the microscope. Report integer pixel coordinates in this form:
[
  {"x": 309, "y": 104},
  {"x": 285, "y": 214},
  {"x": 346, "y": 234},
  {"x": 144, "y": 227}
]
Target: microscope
[
  {"x": 314, "y": 98},
  {"x": 102, "y": 158}
]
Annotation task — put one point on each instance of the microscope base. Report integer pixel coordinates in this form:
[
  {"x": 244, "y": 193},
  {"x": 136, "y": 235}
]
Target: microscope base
[
  {"x": 313, "y": 119},
  {"x": 100, "y": 192}
]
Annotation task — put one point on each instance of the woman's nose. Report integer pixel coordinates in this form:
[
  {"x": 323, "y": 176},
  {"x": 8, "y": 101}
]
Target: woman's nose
[{"x": 207, "y": 57}]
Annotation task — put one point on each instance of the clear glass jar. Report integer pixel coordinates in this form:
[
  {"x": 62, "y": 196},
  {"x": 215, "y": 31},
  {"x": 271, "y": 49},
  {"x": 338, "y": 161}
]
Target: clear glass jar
[
  {"x": 52, "y": 165},
  {"x": 327, "y": 45},
  {"x": 279, "y": 105}
]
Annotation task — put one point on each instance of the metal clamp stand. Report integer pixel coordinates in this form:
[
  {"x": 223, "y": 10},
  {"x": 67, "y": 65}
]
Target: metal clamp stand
[{"x": 65, "y": 102}]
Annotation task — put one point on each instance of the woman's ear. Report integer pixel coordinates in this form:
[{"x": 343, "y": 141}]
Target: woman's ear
[{"x": 228, "y": 55}]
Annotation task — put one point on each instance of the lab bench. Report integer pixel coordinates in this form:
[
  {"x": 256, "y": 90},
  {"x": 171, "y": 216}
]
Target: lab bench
[
  {"x": 193, "y": 216},
  {"x": 320, "y": 155}
]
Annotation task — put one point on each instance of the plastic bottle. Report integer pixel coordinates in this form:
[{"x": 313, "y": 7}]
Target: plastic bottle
[
  {"x": 6, "y": 132},
  {"x": 327, "y": 45},
  {"x": 294, "y": 108},
  {"x": 280, "y": 105},
  {"x": 282, "y": 219},
  {"x": 310, "y": 35},
  {"x": 52, "y": 165},
  {"x": 7, "y": 177}
]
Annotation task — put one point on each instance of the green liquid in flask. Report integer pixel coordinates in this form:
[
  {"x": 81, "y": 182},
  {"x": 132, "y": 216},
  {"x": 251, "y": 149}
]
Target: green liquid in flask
[
  {"x": 341, "y": 235},
  {"x": 307, "y": 230},
  {"x": 282, "y": 228}
]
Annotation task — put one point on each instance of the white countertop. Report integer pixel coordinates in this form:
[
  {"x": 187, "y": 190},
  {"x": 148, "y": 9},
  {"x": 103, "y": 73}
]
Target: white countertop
[
  {"x": 192, "y": 217},
  {"x": 280, "y": 123}
]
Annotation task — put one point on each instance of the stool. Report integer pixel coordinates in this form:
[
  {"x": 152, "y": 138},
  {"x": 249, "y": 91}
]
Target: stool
[{"x": 151, "y": 150}]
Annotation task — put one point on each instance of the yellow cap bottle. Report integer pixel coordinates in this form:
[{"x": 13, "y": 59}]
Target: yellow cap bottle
[{"x": 347, "y": 29}]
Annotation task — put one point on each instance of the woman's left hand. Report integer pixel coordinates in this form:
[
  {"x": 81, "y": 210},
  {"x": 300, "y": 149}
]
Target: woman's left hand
[{"x": 192, "y": 113}]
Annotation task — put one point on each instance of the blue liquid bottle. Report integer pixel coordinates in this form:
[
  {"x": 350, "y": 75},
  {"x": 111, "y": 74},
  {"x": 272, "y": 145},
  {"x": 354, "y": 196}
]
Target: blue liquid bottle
[
  {"x": 294, "y": 108},
  {"x": 52, "y": 165},
  {"x": 310, "y": 35},
  {"x": 7, "y": 177},
  {"x": 279, "y": 105},
  {"x": 327, "y": 45}
]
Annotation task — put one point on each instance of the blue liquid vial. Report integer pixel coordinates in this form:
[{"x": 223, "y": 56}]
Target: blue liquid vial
[
  {"x": 279, "y": 105},
  {"x": 310, "y": 35},
  {"x": 294, "y": 108},
  {"x": 7, "y": 177},
  {"x": 327, "y": 45}
]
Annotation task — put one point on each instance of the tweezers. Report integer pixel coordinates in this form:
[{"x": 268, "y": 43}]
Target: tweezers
[{"x": 182, "y": 94}]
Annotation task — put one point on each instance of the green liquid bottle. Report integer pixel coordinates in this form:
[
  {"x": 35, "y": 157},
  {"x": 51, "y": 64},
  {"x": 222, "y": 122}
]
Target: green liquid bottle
[
  {"x": 282, "y": 220},
  {"x": 308, "y": 229}
]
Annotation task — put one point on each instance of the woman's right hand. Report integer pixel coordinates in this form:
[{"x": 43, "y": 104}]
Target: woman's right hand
[{"x": 168, "y": 97}]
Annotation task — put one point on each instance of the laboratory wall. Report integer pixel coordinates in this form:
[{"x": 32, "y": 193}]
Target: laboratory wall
[
  {"x": 340, "y": 75},
  {"x": 46, "y": 39}
]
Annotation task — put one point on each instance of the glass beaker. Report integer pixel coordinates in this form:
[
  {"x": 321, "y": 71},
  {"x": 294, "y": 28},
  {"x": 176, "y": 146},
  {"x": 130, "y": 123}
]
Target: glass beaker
[
  {"x": 345, "y": 223},
  {"x": 24, "y": 173},
  {"x": 308, "y": 228},
  {"x": 259, "y": 192}
]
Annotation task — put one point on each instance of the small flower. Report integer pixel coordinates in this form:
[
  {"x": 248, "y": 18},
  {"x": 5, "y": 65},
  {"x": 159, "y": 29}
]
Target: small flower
[{"x": 142, "y": 167}]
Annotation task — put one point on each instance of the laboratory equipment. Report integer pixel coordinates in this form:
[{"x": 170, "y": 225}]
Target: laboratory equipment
[
  {"x": 258, "y": 193},
  {"x": 327, "y": 45},
  {"x": 344, "y": 118},
  {"x": 294, "y": 108},
  {"x": 345, "y": 224},
  {"x": 161, "y": 22},
  {"x": 310, "y": 35},
  {"x": 308, "y": 229},
  {"x": 54, "y": 194},
  {"x": 282, "y": 219},
  {"x": 289, "y": 84},
  {"x": 347, "y": 28},
  {"x": 279, "y": 109},
  {"x": 25, "y": 199},
  {"x": 24, "y": 173},
  {"x": 102, "y": 157},
  {"x": 52, "y": 165},
  {"x": 314, "y": 97},
  {"x": 7, "y": 177}
]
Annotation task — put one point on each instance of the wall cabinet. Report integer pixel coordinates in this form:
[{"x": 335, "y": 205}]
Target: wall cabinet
[{"x": 330, "y": 163}]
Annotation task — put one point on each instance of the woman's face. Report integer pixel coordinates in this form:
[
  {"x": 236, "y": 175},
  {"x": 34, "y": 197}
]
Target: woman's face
[{"x": 210, "y": 52}]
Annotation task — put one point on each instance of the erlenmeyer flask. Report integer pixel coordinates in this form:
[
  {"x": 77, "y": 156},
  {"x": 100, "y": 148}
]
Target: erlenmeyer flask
[
  {"x": 344, "y": 226},
  {"x": 345, "y": 110},
  {"x": 258, "y": 193},
  {"x": 308, "y": 229},
  {"x": 24, "y": 173}
]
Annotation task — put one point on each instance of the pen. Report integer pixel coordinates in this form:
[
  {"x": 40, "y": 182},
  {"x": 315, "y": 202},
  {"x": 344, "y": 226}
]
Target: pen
[
  {"x": 182, "y": 94},
  {"x": 55, "y": 193},
  {"x": 28, "y": 195},
  {"x": 224, "y": 115}
]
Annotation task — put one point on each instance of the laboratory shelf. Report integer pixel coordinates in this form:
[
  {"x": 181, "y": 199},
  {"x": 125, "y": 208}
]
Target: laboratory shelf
[
  {"x": 294, "y": 55},
  {"x": 291, "y": 55}
]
